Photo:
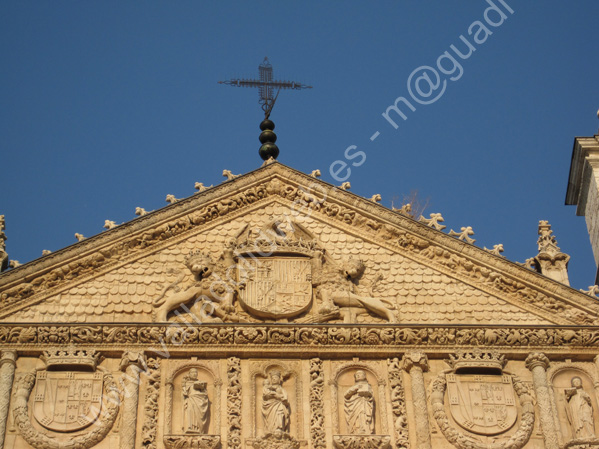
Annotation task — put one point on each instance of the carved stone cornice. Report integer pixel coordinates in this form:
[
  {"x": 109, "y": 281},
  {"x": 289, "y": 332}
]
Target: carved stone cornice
[
  {"x": 415, "y": 359},
  {"x": 155, "y": 338},
  {"x": 467, "y": 263},
  {"x": 537, "y": 359}
]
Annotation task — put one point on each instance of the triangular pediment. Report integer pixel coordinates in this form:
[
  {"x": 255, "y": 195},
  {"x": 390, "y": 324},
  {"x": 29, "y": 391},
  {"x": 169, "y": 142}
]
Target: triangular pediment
[{"x": 417, "y": 274}]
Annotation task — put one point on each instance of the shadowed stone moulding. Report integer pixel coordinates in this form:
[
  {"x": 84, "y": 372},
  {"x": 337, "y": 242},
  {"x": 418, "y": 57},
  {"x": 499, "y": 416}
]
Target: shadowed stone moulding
[{"x": 482, "y": 400}]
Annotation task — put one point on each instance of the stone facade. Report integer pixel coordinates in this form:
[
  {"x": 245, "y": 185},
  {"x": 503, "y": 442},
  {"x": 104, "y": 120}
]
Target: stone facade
[
  {"x": 277, "y": 311},
  {"x": 583, "y": 186}
]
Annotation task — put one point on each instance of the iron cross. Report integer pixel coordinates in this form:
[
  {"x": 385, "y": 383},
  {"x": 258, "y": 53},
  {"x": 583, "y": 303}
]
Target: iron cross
[{"x": 266, "y": 86}]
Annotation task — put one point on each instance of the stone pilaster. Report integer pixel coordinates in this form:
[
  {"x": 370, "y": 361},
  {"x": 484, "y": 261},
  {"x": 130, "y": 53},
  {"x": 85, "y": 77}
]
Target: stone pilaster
[
  {"x": 132, "y": 363},
  {"x": 538, "y": 363},
  {"x": 7, "y": 374},
  {"x": 416, "y": 364}
]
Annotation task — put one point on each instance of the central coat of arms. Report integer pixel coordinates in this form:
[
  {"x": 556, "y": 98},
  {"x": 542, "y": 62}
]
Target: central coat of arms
[
  {"x": 275, "y": 269},
  {"x": 278, "y": 287}
]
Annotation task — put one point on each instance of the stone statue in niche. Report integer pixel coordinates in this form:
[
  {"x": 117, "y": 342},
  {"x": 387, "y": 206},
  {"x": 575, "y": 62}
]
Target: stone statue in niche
[
  {"x": 359, "y": 406},
  {"x": 338, "y": 290},
  {"x": 579, "y": 410},
  {"x": 196, "y": 405},
  {"x": 275, "y": 406}
]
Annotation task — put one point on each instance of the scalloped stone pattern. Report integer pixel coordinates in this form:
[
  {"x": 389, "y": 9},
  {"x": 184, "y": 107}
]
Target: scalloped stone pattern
[{"x": 422, "y": 294}]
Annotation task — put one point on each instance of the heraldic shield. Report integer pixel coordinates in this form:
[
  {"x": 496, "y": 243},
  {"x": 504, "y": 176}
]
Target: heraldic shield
[
  {"x": 67, "y": 401},
  {"x": 276, "y": 287},
  {"x": 483, "y": 404}
]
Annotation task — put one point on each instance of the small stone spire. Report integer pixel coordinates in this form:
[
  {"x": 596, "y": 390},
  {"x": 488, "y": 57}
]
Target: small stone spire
[
  {"x": 268, "y": 139},
  {"x": 550, "y": 261}
]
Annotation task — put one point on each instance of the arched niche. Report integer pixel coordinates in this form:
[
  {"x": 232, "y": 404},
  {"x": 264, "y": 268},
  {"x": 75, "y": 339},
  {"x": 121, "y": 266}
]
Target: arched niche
[
  {"x": 343, "y": 380},
  {"x": 175, "y": 420},
  {"x": 561, "y": 377},
  {"x": 291, "y": 383}
]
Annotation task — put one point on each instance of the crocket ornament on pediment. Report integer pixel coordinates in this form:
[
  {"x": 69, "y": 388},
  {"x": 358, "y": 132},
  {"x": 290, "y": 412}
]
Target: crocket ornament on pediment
[{"x": 278, "y": 272}]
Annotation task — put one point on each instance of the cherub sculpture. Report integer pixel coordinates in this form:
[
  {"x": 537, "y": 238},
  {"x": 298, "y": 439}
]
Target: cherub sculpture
[
  {"x": 337, "y": 287},
  {"x": 211, "y": 295}
]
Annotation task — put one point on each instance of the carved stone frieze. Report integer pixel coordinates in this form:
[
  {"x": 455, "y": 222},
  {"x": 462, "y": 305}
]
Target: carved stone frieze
[
  {"x": 192, "y": 441},
  {"x": 271, "y": 441},
  {"x": 362, "y": 441},
  {"x": 304, "y": 334}
]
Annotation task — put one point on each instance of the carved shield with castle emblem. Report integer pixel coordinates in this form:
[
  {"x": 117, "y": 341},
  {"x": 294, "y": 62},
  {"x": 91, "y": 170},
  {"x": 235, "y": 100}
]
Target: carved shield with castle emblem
[
  {"x": 483, "y": 404},
  {"x": 67, "y": 401},
  {"x": 276, "y": 287}
]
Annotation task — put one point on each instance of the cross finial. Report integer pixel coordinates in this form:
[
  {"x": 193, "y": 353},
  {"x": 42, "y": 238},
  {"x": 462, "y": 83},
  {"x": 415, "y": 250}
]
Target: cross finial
[{"x": 266, "y": 88}]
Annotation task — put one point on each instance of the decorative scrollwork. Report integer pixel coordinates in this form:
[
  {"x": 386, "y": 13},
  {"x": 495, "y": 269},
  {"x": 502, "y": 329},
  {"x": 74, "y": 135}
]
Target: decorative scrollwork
[
  {"x": 234, "y": 403},
  {"x": 39, "y": 440},
  {"x": 462, "y": 441},
  {"x": 148, "y": 431},
  {"x": 398, "y": 404},
  {"x": 317, "y": 432}
]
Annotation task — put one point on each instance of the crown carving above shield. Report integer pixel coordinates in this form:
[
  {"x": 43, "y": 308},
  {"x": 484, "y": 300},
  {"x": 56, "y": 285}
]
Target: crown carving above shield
[
  {"x": 281, "y": 236},
  {"x": 71, "y": 358},
  {"x": 477, "y": 359}
]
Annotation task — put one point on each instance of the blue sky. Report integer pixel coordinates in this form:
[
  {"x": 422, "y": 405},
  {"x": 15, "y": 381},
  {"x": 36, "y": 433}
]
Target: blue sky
[{"x": 111, "y": 105}]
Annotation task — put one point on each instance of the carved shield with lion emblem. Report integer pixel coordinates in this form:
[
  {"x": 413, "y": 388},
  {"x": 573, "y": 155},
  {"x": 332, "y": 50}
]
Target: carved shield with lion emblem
[{"x": 276, "y": 287}]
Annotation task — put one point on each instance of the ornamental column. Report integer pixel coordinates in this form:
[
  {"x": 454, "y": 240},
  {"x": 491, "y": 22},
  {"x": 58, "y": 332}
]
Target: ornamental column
[
  {"x": 416, "y": 363},
  {"x": 537, "y": 362},
  {"x": 7, "y": 374},
  {"x": 132, "y": 363}
]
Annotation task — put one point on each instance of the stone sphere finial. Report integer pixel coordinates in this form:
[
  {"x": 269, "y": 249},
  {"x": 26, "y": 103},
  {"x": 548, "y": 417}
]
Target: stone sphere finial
[{"x": 268, "y": 139}]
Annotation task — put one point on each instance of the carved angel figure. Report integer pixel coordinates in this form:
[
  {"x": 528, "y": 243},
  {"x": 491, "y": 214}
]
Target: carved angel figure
[
  {"x": 337, "y": 288},
  {"x": 359, "y": 406},
  {"x": 580, "y": 410},
  {"x": 196, "y": 405},
  {"x": 275, "y": 406}
]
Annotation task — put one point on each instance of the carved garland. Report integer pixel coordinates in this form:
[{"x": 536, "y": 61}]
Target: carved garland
[
  {"x": 321, "y": 335},
  {"x": 148, "y": 431},
  {"x": 461, "y": 441},
  {"x": 23, "y": 387},
  {"x": 234, "y": 403},
  {"x": 398, "y": 404},
  {"x": 317, "y": 432}
]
